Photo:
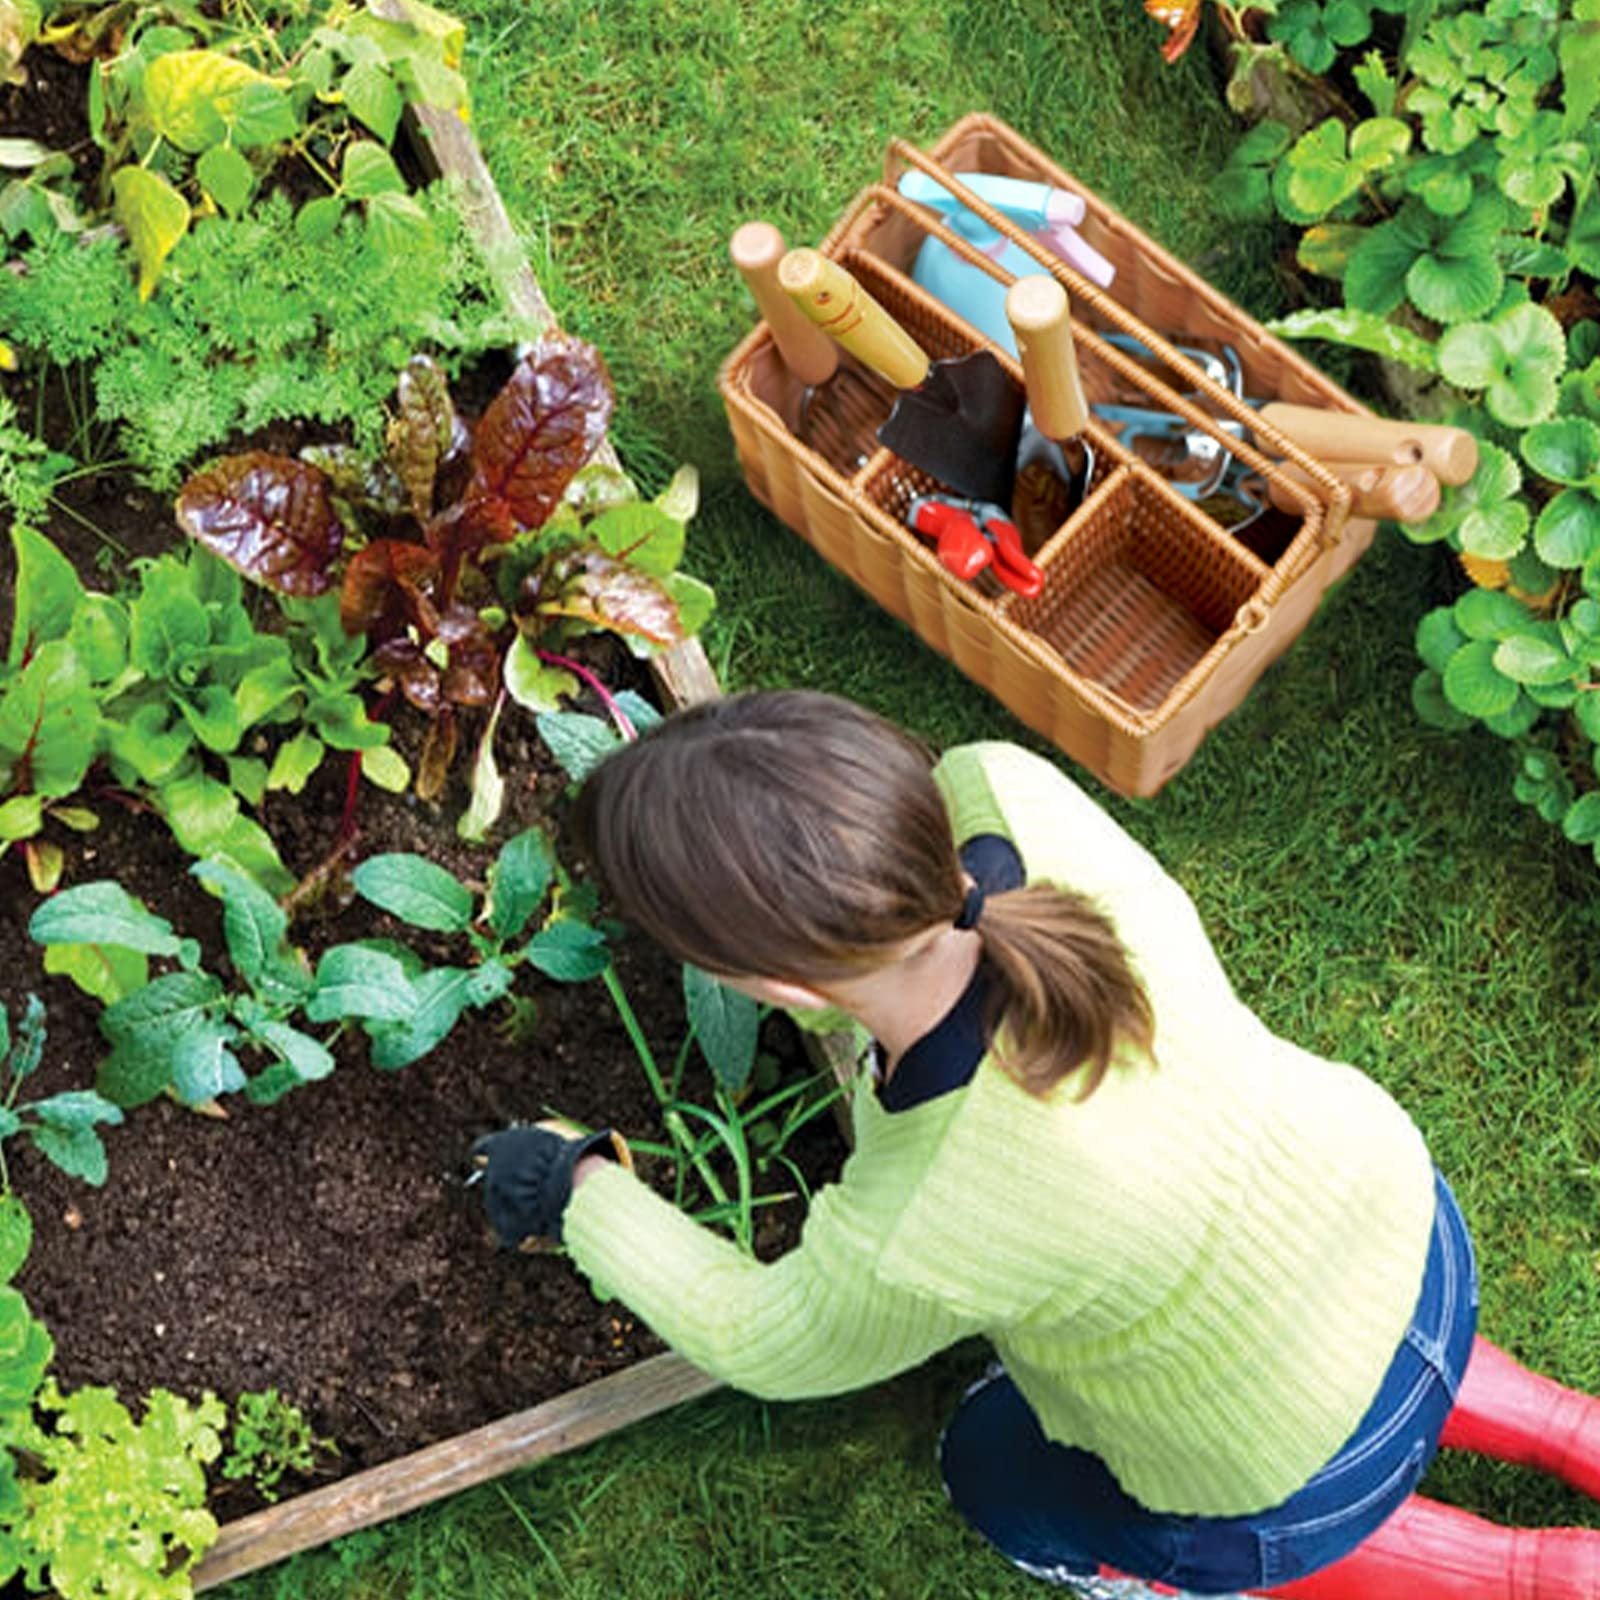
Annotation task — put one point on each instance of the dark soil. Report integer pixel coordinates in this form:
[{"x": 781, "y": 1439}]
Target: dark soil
[{"x": 326, "y": 1246}]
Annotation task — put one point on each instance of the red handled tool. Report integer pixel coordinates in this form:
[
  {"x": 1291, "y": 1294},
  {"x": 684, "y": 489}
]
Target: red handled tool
[{"x": 970, "y": 536}]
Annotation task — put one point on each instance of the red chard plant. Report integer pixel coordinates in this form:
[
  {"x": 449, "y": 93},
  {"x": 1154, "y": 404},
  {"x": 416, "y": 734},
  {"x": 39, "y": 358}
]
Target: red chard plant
[{"x": 470, "y": 551}]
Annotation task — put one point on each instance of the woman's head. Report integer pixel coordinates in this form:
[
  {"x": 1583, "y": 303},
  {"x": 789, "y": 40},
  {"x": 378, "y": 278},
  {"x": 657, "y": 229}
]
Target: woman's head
[
  {"x": 786, "y": 835},
  {"x": 796, "y": 836}
]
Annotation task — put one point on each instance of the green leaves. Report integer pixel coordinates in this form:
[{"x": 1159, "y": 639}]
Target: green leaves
[
  {"x": 1325, "y": 167},
  {"x": 1446, "y": 265},
  {"x": 155, "y": 216},
  {"x": 201, "y": 98},
  {"x": 1483, "y": 516},
  {"x": 102, "y": 912},
  {"x": 518, "y": 882},
  {"x": 1515, "y": 359},
  {"x": 416, "y": 891},
  {"x": 1567, "y": 451},
  {"x": 725, "y": 1023},
  {"x": 355, "y": 980},
  {"x": 568, "y": 951},
  {"x": 1360, "y": 330}
]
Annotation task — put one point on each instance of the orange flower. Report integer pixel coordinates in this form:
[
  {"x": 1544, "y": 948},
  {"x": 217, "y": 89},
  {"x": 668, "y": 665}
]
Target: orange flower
[{"x": 1183, "y": 19}]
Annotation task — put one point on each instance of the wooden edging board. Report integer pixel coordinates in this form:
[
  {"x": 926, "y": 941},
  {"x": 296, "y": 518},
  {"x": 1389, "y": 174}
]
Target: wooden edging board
[{"x": 683, "y": 676}]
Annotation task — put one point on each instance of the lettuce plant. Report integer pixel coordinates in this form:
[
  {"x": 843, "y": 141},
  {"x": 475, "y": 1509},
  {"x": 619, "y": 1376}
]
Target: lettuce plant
[
  {"x": 511, "y": 548},
  {"x": 93, "y": 1504}
]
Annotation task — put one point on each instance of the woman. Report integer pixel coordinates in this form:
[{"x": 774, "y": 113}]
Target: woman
[{"x": 1233, "y": 1302}]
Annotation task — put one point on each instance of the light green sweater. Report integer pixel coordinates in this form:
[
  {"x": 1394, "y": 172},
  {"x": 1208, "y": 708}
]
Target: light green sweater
[{"x": 1200, "y": 1273}]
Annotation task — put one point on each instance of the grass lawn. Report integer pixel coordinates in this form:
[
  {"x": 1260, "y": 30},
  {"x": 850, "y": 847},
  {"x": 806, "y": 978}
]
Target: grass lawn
[{"x": 1375, "y": 891}]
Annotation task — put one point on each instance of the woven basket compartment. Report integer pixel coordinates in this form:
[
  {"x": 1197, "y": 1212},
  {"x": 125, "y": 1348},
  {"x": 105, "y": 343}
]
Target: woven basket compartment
[
  {"x": 1138, "y": 592},
  {"x": 1154, "y": 621}
]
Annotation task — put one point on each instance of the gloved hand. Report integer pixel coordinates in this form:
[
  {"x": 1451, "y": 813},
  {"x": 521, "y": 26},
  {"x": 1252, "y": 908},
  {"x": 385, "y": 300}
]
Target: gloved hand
[{"x": 527, "y": 1176}]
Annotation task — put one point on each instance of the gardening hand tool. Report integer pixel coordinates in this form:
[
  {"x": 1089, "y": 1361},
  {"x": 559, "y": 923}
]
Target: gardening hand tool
[
  {"x": 970, "y": 537},
  {"x": 1192, "y": 460},
  {"x": 840, "y": 402},
  {"x": 1049, "y": 214},
  {"x": 527, "y": 1177},
  {"x": 1399, "y": 494},
  {"x": 1450, "y": 454},
  {"x": 956, "y": 419},
  {"x": 1054, "y": 460}
]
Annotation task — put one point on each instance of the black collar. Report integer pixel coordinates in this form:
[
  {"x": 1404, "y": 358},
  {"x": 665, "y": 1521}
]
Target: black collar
[{"x": 947, "y": 1055}]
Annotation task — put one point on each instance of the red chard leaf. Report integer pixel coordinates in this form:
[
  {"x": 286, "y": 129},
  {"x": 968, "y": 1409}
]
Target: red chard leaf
[
  {"x": 386, "y": 589},
  {"x": 269, "y": 516},
  {"x": 540, "y": 429},
  {"x": 414, "y": 674},
  {"x": 608, "y": 594},
  {"x": 472, "y": 677}
]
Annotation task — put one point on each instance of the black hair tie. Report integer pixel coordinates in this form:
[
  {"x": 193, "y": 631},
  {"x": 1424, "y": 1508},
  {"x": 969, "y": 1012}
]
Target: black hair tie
[{"x": 971, "y": 909}]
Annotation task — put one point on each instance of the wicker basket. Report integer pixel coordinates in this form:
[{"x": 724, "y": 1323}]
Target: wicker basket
[{"x": 1154, "y": 621}]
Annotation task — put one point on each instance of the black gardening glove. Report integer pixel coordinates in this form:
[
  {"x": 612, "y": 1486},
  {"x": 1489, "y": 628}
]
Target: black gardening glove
[{"x": 527, "y": 1177}]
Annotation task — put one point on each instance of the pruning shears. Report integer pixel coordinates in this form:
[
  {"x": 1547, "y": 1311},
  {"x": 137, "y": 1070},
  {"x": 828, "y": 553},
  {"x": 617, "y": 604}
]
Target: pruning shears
[{"x": 973, "y": 536}]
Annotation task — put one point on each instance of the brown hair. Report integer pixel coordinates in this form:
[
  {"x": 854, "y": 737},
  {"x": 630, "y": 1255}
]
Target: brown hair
[{"x": 795, "y": 835}]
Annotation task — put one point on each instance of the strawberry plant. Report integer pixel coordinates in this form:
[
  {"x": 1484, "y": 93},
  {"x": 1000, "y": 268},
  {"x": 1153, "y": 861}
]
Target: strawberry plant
[
  {"x": 511, "y": 548},
  {"x": 1461, "y": 225}
]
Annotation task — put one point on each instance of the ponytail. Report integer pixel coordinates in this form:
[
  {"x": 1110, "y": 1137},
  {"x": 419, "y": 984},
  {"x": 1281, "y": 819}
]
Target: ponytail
[
  {"x": 794, "y": 835},
  {"x": 1064, "y": 993}
]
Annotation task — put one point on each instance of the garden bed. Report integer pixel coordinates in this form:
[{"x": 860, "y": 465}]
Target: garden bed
[{"x": 327, "y": 1245}]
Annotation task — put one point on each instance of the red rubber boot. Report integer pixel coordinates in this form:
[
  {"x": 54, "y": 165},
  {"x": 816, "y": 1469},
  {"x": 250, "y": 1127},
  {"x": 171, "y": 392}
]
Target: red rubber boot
[
  {"x": 1512, "y": 1414},
  {"x": 1429, "y": 1551}
]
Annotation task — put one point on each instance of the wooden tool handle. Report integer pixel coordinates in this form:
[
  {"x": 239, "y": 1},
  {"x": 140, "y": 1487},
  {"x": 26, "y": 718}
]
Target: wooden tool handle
[
  {"x": 1036, "y": 308},
  {"x": 837, "y": 304},
  {"x": 807, "y": 351},
  {"x": 1400, "y": 494},
  {"x": 1450, "y": 454}
]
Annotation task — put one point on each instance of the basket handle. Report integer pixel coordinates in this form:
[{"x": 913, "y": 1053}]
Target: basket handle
[{"x": 1336, "y": 494}]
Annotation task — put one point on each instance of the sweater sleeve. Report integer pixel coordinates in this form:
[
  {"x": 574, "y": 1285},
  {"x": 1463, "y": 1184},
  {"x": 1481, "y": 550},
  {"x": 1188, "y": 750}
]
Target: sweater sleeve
[{"x": 818, "y": 1321}]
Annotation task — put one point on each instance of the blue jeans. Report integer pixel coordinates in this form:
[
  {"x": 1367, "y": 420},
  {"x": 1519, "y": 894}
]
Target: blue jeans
[{"x": 1058, "y": 1511}]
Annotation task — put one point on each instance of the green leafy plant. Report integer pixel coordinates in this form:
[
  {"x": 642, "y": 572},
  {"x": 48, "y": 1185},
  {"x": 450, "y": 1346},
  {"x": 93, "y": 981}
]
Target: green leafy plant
[
  {"x": 269, "y": 1438},
  {"x": 1316, "y": 30},
  {"x": 173, "y": 687},
  {"x": 184, "y": 1032},
  {"x": 1461, "y": 224},
  {"x": 93, "y": 1504},
  {"x": 258, "y": 321},
  {"x": 514, "y": 549},
  {"x": 197, "y": 109},
  {"x": 63, "y": 1127}
]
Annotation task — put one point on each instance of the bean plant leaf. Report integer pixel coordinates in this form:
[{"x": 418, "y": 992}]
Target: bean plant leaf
[
  {"x": 1515, "y": 358},
  {"x": 373, "y": 98},
  {"x": 354, "y": 980},
  {"x": 101, "y": 913},
  {"x": 270, "y": 517},
  {"x": 568, "y": 951},
  {"x": 369, "y": 171},
  {"x": 227, "y": 177},
  {"x": 155, "y": 217},
  {"x": 540, "y": 429},
  {"x": 200, "y": 98},
  {"x": 518, "y": 882},
  {"x": 726, "y": 1024},
  {"x": 416, "y": 890}
]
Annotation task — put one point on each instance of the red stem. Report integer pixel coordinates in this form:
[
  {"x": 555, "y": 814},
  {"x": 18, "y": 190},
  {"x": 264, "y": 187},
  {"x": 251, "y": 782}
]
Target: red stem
[
  {"x": 348, "y": 827},
  {"x": 607, "y": 699}
]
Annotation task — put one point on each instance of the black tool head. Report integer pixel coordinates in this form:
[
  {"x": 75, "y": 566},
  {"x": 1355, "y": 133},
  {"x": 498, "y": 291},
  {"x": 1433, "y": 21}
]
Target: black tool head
[{"x": 961, "y": 426}]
